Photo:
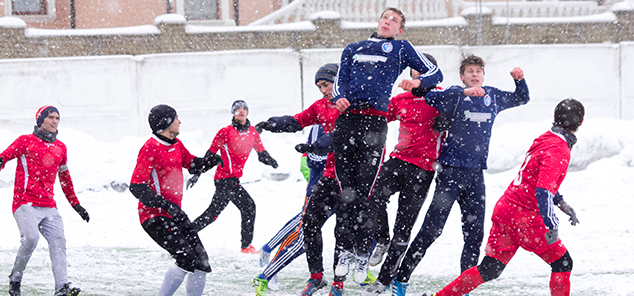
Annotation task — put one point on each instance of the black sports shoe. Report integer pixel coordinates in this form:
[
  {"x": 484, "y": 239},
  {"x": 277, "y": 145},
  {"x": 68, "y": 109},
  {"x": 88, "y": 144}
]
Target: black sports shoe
[
  {"x": 14, "y": 289},
  {"x": 66, "y": 290}
]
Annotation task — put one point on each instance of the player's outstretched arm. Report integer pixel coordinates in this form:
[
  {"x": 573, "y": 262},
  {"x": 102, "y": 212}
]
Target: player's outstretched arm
[{"x": 281, "y": 124}]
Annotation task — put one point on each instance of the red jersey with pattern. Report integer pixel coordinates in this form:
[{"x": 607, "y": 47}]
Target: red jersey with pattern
[
  {"x": 322, "y": 112},
  {"x": 160, "y": 165},
  {"x": 38, "y": 164},
  {"x": 235, "y": 147},
  {"x": 418, "y": 143},
  {"x": 545, "y": 166}
]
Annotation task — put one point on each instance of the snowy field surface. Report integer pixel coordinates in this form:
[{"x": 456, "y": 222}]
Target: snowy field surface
[{"x": 112, "y": 255}]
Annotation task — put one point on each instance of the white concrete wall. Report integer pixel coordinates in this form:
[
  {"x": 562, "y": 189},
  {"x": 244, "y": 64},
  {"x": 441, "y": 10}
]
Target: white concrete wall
[
  {"x": 110, "y": 96},
  {"x": 627, "y": 80}
]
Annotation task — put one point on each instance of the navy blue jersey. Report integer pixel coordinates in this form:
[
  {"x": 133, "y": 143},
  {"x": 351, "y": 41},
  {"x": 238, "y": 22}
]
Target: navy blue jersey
[
  {"x": 369, "y": 68},
  {"x": 467, "y": 144}
]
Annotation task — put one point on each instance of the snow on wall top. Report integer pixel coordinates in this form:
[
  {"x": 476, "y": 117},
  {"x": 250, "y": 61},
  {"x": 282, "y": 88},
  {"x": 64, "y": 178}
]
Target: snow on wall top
[
  {"x": 136, "y": 30},
  {"x": 12, "y": 22},
  {"x": 171, "y": 18},
  {"x": 325, "y": 15},
  {"x": 606, "y": 17}
]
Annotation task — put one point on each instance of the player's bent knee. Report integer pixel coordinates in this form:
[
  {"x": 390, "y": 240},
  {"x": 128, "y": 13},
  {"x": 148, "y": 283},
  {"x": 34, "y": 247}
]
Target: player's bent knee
[
  {"x": 490, "y": 268},
  {"x": 563, "y": 264}
]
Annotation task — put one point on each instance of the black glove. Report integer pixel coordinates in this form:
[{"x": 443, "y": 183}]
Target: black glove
[
  {"x": 171, "y": 208},
  {"x": 441, "y": 123},
  {"x": 265, "y": 158},
  {"x": 304, "y": 148},
  {"x": 1, "y": 161},
  {"x": 82, "y": 212},
  {"x": 263, "y": 125},
  {"x": 192, "y": 181},
  {"x": 564, "y": 207},
  {"x": 552, "y": 236},
  {"x": 214, "y": 159},
  {"x": 422, "y": 91},
  {"x": 200, "y": 165}
]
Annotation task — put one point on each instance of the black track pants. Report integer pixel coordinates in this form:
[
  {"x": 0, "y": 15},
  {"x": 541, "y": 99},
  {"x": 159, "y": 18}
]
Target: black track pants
[
  {"x": 322, "y": 202},
  {"x": 359, "y": 144},
  {"x": 413, "y": 183},
  {"x": 181, "y": 240},
  {"x": 230, "y": 190}
]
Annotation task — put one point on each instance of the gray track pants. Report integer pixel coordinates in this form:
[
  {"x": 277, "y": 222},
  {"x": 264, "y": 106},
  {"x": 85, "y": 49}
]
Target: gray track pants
[{"x": 31, "y": 222}]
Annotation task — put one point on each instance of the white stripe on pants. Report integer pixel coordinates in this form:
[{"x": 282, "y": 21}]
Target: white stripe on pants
[{"x": 31, "y": 222}]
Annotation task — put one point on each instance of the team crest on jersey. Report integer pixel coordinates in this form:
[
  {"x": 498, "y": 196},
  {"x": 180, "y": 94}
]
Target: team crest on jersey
[
  {"x": 387, "y": 47},
  {"x": 487, "y": 100}
]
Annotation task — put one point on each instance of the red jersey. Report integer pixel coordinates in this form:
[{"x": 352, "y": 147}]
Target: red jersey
[
  {"x": 234, "y": 147},
  {"x": 322, "y": 112},
  {"x": 418, "y": 143},
  {"x": 39, "y": 163},
  {"x": 545, "y": 166},
  {"x": 160, "y": 165}
]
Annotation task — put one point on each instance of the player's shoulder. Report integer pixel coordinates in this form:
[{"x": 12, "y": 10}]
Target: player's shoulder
[
  {"x": 253, "y": 132},
  {"x": 225, "y": 129},
  {"x": 551, "y": 143},
  {"x": 26, "y": 138},
  {"x": 354, "y": 45},
  {"x": 153, "y": 141},
  {"x": 60, "y": 144},
  {"x": 405, "y": 43}
]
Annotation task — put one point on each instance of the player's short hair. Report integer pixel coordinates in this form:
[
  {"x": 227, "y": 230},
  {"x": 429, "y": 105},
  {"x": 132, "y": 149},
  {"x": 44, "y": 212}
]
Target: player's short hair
[
  {"x": 397, "y": 11},
  {"x": 569, "y": 114},
  {"x": 471, "y": 60}
]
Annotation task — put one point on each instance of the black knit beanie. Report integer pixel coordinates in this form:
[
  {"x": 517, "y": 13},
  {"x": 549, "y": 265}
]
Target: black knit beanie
[
  {"x": 327, "y": 72},
  {"x": 161, "y": 117}
]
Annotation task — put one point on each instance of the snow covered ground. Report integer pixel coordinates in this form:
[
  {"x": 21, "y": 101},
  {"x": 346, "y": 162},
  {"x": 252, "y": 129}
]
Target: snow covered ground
[{"x": 112, "y": 255}]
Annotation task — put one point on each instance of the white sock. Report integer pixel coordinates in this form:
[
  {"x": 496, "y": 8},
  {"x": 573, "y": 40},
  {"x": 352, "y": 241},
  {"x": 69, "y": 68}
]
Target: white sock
[
  {"x": 196, "y": 283},
  {"x": 173, "y": 279}
]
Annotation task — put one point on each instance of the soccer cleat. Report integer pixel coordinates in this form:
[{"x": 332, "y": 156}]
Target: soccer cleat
[
  {"x": 377, "y": 256},
  {"x": 361, "y": 271},
  {"x": 261, "y": 286},
  {"x": 250, "y": 250},
  {"x": 343, "y": 265},
  {"x": 369, "y": 280},
  {"x": 373, "y": 289},
  {"x": 66, "y": 290},
  {"x": 398, "y": 288},
  {"x": 334, "y": 291},
  {"x": 264, "y": 257},
  {"x": 14, "y": 288},
  {"x": 312, "y": 285}
]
